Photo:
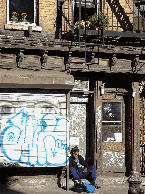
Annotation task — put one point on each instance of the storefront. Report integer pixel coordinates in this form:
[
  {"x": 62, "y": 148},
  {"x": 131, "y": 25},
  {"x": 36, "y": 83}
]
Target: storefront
[{"x": 34, "y": 118}]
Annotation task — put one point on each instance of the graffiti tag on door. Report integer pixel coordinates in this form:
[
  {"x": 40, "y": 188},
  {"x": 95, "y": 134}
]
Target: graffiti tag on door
[{"x": 34, "y": 141}]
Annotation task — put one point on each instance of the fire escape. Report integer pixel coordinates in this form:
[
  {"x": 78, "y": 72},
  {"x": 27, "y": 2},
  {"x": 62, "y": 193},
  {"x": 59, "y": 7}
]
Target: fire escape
[
  {"x": 131, "y": 30},
  {"x": 131, "y": 33}
]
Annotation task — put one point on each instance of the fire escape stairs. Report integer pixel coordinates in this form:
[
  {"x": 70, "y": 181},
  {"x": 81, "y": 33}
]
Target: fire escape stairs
[
  {"x": 63, "y": 15},
  {"x": 120, "y": 15},
  {"x": 127, "y": 3}
]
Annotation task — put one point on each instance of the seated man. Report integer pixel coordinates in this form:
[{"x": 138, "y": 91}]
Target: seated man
[{"x": 76, "y": 163}]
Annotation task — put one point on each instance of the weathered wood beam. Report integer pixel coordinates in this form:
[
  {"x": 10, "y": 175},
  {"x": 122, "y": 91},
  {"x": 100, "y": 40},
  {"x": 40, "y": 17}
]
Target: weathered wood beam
[
  {"x": 135, "y": 126},
  {"x": 67, "y": 138},
  {"x": 98, "y": 131}
]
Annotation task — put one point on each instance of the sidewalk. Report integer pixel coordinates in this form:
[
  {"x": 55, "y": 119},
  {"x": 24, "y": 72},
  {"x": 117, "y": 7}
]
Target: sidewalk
[
  {"x": 47, "y": 184},
  {"x": 110, "y": 185}
]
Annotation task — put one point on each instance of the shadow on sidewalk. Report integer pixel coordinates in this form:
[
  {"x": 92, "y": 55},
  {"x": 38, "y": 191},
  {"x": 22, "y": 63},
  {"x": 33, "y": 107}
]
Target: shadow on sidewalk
[
  {"x": 4, "y": 184},
  {"x": 7, "y": 174}
]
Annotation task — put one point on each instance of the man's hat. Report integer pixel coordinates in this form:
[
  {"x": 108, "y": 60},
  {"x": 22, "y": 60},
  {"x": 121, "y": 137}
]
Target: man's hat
[{"x": 75, "y": 149}]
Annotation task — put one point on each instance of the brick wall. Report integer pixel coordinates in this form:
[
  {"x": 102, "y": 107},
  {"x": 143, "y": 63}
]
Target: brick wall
[
  {"x": 67, "y": 10},
  {"x": 2, "y": 14},
  {"x": 114, "y": 7},
  {"x": 47, "y": 14}
]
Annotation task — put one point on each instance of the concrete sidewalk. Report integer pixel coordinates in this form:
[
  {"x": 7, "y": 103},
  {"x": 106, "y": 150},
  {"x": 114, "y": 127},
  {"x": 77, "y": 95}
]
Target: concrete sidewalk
[
  {"x": 110, "y": 185},
  {"x": 47, "y": 184}
]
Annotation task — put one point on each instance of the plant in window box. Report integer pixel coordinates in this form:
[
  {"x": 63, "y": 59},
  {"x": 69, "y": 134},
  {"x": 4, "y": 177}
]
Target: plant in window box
[
  {"x": 24, "y": 16},
  {"x": 96, "y": 21},
  {"x": 14, "y": 16},
  {"x": 82, "y": 25}
]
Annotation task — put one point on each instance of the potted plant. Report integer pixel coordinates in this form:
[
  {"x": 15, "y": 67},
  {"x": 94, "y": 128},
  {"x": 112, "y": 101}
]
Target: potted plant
[
  {"x": 24, "y": 16},
  {"x": 82, "y": 25},
  {"x": 96, "y": 21},
  {"x": 14, "y": 16}
]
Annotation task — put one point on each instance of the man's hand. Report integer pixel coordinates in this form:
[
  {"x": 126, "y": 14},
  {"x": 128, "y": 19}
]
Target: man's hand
[
  {"x": 75, "y": 156},
  {"x": 85, "y": 170}
]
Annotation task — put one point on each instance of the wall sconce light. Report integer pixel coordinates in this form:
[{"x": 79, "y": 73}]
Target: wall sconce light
[
  {"x": 102, "y": 89},
  {"x": 133, "y": 92}
]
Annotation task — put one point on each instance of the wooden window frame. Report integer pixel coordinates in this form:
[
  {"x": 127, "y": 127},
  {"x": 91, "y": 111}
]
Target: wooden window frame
[{"x": 24, "y": 23}]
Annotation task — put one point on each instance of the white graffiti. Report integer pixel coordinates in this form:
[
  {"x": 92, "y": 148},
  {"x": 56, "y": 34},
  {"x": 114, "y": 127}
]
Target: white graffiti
[{"x": 98, "y": 122}]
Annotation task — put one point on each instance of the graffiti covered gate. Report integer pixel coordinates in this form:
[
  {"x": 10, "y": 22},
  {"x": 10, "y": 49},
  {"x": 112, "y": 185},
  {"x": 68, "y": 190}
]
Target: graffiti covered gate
[
  {"x": 82, "y": 124},
  {"x": 78, "y": 108},
  {"x": 33, "y": 128}
]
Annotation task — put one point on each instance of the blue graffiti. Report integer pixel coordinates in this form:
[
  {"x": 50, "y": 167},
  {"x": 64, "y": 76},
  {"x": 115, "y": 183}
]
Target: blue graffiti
[{"x": 34, "y": 142}]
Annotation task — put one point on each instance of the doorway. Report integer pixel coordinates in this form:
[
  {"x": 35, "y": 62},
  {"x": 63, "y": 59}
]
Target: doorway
[{"x": 82, "y": 124}]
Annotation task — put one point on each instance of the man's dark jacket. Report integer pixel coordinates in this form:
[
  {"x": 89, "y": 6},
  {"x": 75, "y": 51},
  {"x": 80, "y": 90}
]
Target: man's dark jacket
[{"x": 73, "y": 164}]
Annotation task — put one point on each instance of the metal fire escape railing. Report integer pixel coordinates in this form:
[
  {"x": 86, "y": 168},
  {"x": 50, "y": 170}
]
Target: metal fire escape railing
[
  {"x": 116, "y": 9},
  {"x": 99, "y": 37},
  {"x": 80, "y": 31},
  {"x": 61, "y": 14}
]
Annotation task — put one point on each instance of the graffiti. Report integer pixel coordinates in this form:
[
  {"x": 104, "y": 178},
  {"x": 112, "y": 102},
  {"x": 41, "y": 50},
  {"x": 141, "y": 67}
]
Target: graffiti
[
  {"x": 35, "y": 142},
  {"x": 98, "y": 122},
  {"x": 113, "y": 159}
]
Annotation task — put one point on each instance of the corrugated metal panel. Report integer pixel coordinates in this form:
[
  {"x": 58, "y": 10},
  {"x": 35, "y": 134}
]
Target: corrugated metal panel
[{"x": 33, "y": 129}]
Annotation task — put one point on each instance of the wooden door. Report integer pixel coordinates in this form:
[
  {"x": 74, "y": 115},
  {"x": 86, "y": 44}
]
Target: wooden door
[{"x": 113, "y": 137}]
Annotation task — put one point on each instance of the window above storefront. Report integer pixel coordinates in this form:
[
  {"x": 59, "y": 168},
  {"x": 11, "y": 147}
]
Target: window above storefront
[
  {"x": 21, "y": 11},
  {"x": 21, "y": 14}
]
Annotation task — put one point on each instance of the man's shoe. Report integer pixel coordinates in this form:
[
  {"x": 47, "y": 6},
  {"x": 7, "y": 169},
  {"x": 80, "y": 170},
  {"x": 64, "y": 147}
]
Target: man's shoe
[
  {"x": 76, "y": 182},
  {"x": 97, "y": 187}
]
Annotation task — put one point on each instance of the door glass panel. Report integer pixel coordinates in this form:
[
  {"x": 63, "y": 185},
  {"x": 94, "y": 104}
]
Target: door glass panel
[
  {"x": 111, "y": 121},
  {"x": 111, "y": 112}
]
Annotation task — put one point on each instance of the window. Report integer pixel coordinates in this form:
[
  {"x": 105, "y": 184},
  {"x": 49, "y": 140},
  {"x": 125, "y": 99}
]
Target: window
[
  {"x": 112, "y": 121},
  {"x": 92, "y": 7},
  {"x": 111, "y": 113},
  {"x": 22, "y": 6}
]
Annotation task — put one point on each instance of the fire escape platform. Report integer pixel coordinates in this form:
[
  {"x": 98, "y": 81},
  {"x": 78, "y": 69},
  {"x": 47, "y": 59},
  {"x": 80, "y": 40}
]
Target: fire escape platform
[{"x": 124, "y": 34}]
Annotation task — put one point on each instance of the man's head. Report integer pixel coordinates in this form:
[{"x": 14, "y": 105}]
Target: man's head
[
  {"x": 76, "y": 153},
  {"x": 75, "y": 150}
]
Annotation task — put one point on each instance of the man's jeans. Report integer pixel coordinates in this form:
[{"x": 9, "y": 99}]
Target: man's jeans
[{"x": 78, "y": 175}]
